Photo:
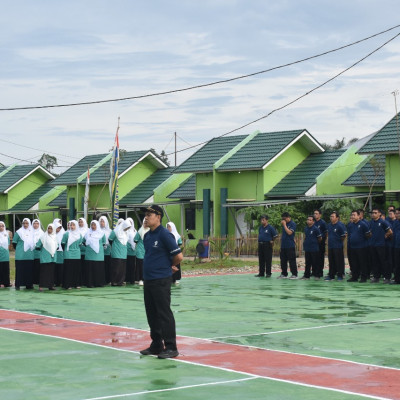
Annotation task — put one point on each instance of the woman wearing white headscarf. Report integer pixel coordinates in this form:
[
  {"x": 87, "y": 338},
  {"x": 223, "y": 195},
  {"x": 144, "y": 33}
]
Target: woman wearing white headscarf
[
  {"x": 176, "y": 276},
  {"x": 37, "y": 234},
  {"x": 83, "y": 229},
  {"x": 71, "y": 242},
  {"x": 4, "y": 256},
  {"x": 59, "y": 271},
  {"x": 140, "y": 252},
  {"x": 131, "y": 253},
  {"x": 24, "y": 245},
  {"x": 48, "y": 255},
  {"x": 105, "y": 227},
  {"x": 119, "y": 240},
  {"x": 95, "y": 241}
]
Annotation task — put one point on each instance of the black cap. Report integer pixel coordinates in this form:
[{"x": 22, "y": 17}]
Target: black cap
[
  {"x": 264, "y": 216},
  {"x": 155, "y": 209}
]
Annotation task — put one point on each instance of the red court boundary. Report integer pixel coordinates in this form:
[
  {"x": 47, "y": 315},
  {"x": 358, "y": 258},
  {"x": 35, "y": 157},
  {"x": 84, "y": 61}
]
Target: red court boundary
[{"x": 326, "y": 373}]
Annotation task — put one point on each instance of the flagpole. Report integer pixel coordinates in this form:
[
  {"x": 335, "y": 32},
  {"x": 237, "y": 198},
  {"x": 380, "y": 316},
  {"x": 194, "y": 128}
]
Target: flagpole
[{"x": 114, "y": 180}]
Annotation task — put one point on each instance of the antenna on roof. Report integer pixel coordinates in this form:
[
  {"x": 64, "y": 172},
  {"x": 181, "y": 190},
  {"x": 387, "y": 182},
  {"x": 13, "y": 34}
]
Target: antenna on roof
[{"x": 395, "y": 93}]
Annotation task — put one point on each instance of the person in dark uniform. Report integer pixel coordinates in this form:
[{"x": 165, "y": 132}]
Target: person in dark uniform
[
  {"x": 358, "y": 234},
  {"x": 288, "y": 247},
  {"x": 349, "y": 257},
  {"x": 321, "y": 225},
  {"x": 380, "y": 230},
  {"x": 396, "y": 249},
  {"x": 336, "y": 236},
  {"x": 162, "y": 254},
  {"x": 266, "y": 236},
  {"x": 312, "y": 238},
  {"x": 389, "y": 241}
]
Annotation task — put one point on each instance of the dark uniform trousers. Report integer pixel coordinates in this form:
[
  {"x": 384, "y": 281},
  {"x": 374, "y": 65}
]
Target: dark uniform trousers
[
  {"x": 288, "y": 255},
  {"x": 157, "y": 300},
  {"x": 264, "y": 258},
  {"x": 379, "y": 266},
  {"x": 321, "y": 259},
  {"x": 396, "y": 265},
  {"x": 359, "y": 263},
  {"x": 336, "y": 262},
  {"x": 312, "y": 263}
]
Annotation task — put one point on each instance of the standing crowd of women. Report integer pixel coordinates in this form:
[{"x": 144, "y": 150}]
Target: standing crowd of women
[{"x": 92, "y": 256}]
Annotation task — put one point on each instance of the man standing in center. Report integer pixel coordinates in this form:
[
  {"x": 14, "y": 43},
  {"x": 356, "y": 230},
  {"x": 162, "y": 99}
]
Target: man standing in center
[
  {"x": 162, "y": 254},
  {"x": 266, "y": 236},
  {"x": 288, "y": 247}
]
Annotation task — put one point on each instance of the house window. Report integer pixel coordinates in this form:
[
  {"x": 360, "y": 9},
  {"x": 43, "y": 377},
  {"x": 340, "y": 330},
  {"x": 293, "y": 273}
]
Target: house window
[{"x": 190, "y": 218}]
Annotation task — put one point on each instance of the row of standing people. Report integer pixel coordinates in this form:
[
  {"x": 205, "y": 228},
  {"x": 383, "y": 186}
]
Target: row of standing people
[
  {"x": 373, "y": 247},
  {"x": 80, "y": 256}
]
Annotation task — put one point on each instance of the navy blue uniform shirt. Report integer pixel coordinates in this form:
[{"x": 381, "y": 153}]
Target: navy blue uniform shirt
[
  {"x": 389, "y": 242},
  {"x": 311, "y": 238},
  {"x": 287, "y": 241},
  {"x": 396, "y": 234},
  {"x": 357, "y": 232},
  {"x": 378, "y": 230},
  {"x": 160, "y": 247},
  {"x": 321, "y": 225},
  {"x": 266, "y": 233},
  {"x": 335, "y": 234}
]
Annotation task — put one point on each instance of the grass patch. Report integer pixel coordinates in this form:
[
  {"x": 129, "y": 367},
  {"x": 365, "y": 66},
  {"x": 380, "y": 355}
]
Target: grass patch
[{"x": 188, "y": 264}]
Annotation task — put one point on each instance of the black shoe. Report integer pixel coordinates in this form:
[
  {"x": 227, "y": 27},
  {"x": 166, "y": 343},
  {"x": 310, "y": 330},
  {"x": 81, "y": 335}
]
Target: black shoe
[
  {"x": 394, "y": 283},
  {"x": 386, "y": 281},
  {"x": 374, "y": 280},
  {"x": 168, "y": 353},
  {"x": 352, "y": 280},
  {"x": 268, "y": 276},
  {"x": 259, "y": 276},
  {"x": 363, "y": 280},
  {"x": 151, "y": 351}
]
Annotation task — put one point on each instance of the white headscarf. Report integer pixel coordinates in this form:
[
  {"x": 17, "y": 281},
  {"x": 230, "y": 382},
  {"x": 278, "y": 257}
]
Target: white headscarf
[
  {"x": 38, "y": 232},
  {"x": 57, "y": 221},
  {"x": 85, "y": 227},
  {"x": 106, "y": 230},
  {"x": 26, "y": 235},
  {"x": 174, "y": 231},
  {"x": 59, "y": 234},
  {"x": 4, "y": 237},
  {"x": 120, "y": 221},
  {"x": 142, "y": 230},
  {"x": 93, "y": 237},
  {"x": 49, "y": 240},
  {"x": 120, "y": 232},
  {"x": 131, "y": 233},
  {"x": 73, "y": 234}
]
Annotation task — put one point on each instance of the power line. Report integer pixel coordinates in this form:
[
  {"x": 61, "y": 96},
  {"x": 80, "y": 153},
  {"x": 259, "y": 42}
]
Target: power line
[
  {"x": 297, "y": 98},
  {"x": 202, "y": 85},
  {"x": 33, "y": 148}
]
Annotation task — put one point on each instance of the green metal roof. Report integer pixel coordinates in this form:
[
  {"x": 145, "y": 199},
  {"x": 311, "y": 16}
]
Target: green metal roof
[
  {"x": 102, "y": 173},
  {"x": 303, "y": 177},
  {"x": 204, "y": 159},
  {"x": 386, "y": 140},
  {"x": 371, "y": 171},
  {"x": 60, "y": 200},
  {"x": 33, "y": 198},
  {"x": 262, "y": 148},
  {"x": 146, "y": 188},
  {"x": 186, "y": 191},
  {"x": 17, "y": 173}
]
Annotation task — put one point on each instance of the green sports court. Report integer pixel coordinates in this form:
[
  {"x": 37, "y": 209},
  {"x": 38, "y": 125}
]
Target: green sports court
[{"x": 238, "y": 337}]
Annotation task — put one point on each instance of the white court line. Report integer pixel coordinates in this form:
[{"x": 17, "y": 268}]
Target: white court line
[
  {"x": 214, "y": 367},
  {"x": 191, "y": 337},
  {"x": 170, "y": 389},
  {"x": 305, "y": 329}
]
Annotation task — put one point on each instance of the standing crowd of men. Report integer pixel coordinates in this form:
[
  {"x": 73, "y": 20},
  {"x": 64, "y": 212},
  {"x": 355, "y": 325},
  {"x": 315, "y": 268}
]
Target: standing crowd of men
[{"x": 373, "y": 246}]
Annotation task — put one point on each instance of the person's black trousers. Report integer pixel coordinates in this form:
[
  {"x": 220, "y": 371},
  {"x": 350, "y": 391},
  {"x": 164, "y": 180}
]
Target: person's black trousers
[
  {"x": 264, "y": 258},
  {"x": 312, "y": 259},
  {"x": 321, "y": 259},
  {"x": 288, "y": 256},
  {"x": 359, "y": 263},
  {"x": 396, "y": 265},
  {"x": 336, "y": 263},
  {"x": 157, "y": 301},
  {"x": 379, "y": 266},
  {"x": 389, "y": 259}
]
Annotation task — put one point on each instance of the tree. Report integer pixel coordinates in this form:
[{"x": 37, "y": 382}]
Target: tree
[
  {"x": 47, "y": 161},
  {"x": 339, "y": 144},
  {"x": 163, "y": 156}
]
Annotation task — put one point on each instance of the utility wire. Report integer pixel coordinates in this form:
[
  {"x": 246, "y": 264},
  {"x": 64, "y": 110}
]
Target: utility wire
[
  {"x": 202, "y": 85},
  {"x": 183, "y": 140},
  {"x": 296, "y": 99}
]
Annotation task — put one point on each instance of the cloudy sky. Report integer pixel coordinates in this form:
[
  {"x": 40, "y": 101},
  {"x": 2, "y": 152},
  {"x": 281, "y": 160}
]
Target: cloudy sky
[{"x": 56, "y": 52}]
